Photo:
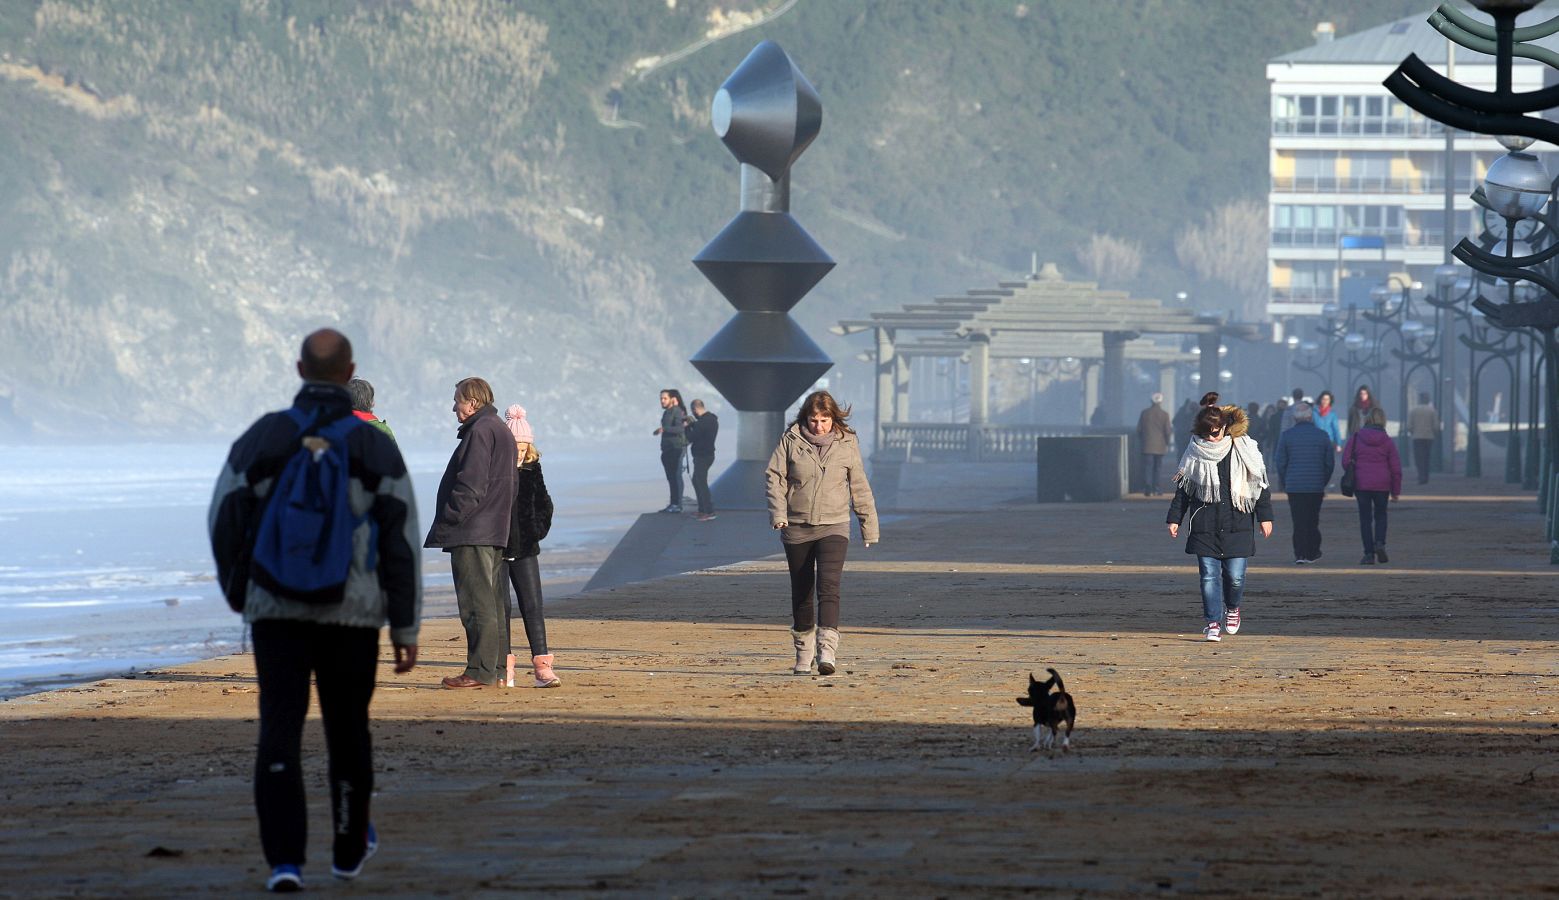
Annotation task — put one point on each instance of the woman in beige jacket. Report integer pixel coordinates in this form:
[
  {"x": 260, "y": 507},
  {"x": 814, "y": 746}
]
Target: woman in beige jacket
[{"x": 815, "y": 476}]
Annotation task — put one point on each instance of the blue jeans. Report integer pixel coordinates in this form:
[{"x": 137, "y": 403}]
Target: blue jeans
[{"x": 1223, "y": 584}]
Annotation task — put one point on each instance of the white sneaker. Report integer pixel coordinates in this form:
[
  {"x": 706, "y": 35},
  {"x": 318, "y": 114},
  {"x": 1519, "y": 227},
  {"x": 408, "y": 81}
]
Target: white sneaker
[
  {"x": 1231, "y": 620},
  {"x": 1211, "y": 632}
]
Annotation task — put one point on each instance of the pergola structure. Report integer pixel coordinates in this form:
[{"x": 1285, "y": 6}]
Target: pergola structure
[{"x": 1041, "y": 317}]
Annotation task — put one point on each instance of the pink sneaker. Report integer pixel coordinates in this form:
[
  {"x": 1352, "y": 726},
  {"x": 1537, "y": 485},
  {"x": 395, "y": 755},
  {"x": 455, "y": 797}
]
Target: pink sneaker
[
  {"x": 1211, "y": 632},
  {"x": 1231, "y": 621}
]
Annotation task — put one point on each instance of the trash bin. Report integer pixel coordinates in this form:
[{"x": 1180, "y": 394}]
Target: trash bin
[{"x": 1083, "y": 469}]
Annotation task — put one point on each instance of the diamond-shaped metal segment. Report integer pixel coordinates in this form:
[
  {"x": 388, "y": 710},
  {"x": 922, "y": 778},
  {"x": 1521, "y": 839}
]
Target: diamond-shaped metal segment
[
  {"x": 761, "y": 361},
  {"x": 763, "y": 261},
  {"x": 767, "y": 112}
]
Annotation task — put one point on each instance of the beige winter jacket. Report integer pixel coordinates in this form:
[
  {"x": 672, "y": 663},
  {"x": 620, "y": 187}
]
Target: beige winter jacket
[{"x": 806, "y": 490}]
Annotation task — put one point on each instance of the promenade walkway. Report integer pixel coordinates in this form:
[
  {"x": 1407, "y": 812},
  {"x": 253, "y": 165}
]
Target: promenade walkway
[{"x": 1373, "y": 731}]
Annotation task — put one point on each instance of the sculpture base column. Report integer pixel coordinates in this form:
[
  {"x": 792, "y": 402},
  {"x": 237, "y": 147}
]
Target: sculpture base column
[{"x": 741, "y": 486}]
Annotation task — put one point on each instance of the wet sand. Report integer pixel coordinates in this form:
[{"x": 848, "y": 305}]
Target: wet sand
[{"x": 1373, "y": 731}]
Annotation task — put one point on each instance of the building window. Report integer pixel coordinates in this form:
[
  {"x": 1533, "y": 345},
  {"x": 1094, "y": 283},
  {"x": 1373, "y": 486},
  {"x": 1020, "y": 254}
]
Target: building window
[{"x": 1347, "y": 114}]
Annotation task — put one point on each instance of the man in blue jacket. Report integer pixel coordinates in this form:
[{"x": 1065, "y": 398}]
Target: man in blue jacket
[{"x": 1304, "y": 462}]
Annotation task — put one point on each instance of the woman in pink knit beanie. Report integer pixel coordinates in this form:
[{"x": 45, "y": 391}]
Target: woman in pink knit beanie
[{"x": 529, "y": 522}]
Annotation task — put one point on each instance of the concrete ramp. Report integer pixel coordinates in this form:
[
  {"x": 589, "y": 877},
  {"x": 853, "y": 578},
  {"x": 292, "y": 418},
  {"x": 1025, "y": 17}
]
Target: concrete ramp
[{"x": 663, "y": 544}]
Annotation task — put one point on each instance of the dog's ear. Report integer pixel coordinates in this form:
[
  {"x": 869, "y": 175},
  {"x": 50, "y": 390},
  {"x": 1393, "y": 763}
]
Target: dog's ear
[{"x": 1025, "y": 701}]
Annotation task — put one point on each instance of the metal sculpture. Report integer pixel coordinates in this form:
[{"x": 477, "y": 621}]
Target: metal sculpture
[{"x": 763, "y": 262}]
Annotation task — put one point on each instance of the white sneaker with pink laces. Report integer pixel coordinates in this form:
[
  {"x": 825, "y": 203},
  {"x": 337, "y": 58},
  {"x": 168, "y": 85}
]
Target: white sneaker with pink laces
[
  {"x": 1231, "y": 620},
  {"x": 1211, "y": 632}
]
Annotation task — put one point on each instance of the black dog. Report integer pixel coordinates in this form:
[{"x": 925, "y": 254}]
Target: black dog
[{"x": 1050, "y": 710}]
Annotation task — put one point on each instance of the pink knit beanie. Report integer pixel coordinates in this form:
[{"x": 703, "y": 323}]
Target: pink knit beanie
[{"x": 514, "y": 417}]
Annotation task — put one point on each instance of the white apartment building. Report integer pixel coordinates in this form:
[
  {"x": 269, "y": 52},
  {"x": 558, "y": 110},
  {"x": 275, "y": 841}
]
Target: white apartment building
[{"x": 1358, "y": 178}]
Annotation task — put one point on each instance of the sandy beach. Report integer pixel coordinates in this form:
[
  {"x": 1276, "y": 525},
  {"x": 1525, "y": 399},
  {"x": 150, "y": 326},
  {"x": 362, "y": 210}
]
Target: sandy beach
[{"x": 1373, "y": 731}]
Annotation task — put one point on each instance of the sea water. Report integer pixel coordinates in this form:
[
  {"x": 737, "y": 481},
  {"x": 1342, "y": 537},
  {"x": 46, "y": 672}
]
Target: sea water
[{"x": 105, "y": 563}]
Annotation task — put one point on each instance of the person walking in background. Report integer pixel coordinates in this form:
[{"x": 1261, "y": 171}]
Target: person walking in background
[
  {"x": 336, "y": 641},
  {"x": 1222, "y": 487},
  {"x": 1325, "y": 416},
  {"x": 1272, "y": 422},
  {"x": 1423, "y": 425},
  {"x": 1154, "y": 437},
  {"x": 673, "y": 440},
  {"x": 1359, "y": 410},
  {"x": 471, "y": 524},
  {"x": 1304, "y": 461},
  {"x": 701, "y": 433},
  {"x": 1253, "y": 422},
  {"x": 815, "y": 477},
  {"x": 362, "y": 394},
  {"x": 530, "y": 518},
  {"x": 1185, "y": 416},
  {"x": 1377, "y": 474},
  {"x": 1296, "y": 397}
]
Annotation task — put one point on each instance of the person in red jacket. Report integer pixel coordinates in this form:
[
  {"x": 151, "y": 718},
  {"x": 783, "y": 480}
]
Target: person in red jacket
[{"x": 1377, "y": 474}]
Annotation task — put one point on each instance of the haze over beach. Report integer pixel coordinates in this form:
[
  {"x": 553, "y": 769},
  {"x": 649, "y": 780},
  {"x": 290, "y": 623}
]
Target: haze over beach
[{"x": 106, "y": 566}]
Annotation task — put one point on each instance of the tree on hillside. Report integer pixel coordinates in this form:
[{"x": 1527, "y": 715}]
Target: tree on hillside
[
  {"x": 1229, "y": 249},
  {"x": 1111, "y": 261}
]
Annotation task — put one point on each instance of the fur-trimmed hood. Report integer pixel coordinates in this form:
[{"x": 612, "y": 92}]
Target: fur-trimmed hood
[{"x": 1239, "y": 423}]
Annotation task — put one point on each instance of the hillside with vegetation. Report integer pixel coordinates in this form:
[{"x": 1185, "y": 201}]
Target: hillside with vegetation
[{"x": 515, "y": 189}]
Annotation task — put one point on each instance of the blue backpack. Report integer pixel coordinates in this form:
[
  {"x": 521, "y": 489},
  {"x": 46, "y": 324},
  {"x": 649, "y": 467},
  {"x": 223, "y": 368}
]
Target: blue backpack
[{"x": 303, "y": 550}]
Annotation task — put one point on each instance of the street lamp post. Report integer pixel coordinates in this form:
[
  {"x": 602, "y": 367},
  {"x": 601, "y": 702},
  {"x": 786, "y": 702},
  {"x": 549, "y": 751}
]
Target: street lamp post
[{"x": 1416, "y": 345}]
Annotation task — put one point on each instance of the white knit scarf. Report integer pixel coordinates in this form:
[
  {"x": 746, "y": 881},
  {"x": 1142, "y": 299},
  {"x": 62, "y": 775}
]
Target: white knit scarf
[{"x": 1198, "y": 473}]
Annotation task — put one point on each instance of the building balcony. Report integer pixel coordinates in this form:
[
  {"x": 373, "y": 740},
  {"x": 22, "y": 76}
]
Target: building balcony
[
  {"x": 1304, "y": 294},
  {"x": 1329, "y": 237},
  {"x": 1357, "y": 126},
  {"x": 1350, "y": 184}
]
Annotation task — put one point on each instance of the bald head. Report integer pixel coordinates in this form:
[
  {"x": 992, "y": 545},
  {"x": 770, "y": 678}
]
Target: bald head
[{"x": 326, "y": 356}]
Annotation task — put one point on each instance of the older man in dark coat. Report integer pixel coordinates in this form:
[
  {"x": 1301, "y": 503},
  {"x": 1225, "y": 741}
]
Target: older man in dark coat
[
  {"x": 471, "y": 524},
  {"x": 1304, "y": 461}
]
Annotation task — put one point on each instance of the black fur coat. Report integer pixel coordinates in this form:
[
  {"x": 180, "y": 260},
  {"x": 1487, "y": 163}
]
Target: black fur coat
[{"x": 530, "y": 518}]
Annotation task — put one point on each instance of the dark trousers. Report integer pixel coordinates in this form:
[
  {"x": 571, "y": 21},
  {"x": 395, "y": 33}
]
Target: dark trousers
[
  {"x": 1150, "y": 466},
  {"x": 1372, "y": 518},
  {"x": 343, "y": 661},
  {"x": 671, "y": 461},
  {"x": 701, "y": 466},
  {"x": 1421, "y": 459},
  {"x": 482, "y": 600},
  {"x": 525, "y": 575},
  {"x": 1305, "y": 510},
  {"x": 816, "y": 565}
]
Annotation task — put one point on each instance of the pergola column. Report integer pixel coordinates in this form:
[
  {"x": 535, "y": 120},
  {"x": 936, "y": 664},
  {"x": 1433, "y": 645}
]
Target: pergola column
[
  {"x": 979, "y": 378},
  {"x": 1113, "y": 379},
  {"x": 900, "y": 388},
  {"x": 1090, "y": 389},
  {"x": 1166, "y": 386},
  {"x": 1209, "y": 342},
  {"x": 887, "y": 365}
]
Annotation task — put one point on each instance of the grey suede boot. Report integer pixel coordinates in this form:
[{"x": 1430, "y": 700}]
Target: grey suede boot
[
  {"x": 827, "y": 646},
  {"x": 806, "y": 647}
]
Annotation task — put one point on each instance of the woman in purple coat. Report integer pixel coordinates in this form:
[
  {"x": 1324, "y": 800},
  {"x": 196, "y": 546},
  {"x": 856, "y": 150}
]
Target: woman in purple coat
[{"x": 1377, "y": 474}]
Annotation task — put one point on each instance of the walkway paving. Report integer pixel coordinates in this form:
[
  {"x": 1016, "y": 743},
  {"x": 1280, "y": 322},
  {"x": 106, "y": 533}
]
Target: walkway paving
[{"x": 1373, "y": 731}]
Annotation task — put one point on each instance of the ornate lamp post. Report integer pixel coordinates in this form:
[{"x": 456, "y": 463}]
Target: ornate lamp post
[
  {"x": 1517, "y": 187},
  {"x": 1416, "y": 349}
]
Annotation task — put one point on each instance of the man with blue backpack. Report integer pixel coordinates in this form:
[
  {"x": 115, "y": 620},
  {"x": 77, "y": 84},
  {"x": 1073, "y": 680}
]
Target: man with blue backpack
[{"x": 314, "y": 529}]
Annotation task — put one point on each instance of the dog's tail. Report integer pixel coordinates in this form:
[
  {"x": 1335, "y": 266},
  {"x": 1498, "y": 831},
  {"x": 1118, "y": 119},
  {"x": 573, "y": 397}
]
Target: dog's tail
[{"x": 1056, "y": 677}]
